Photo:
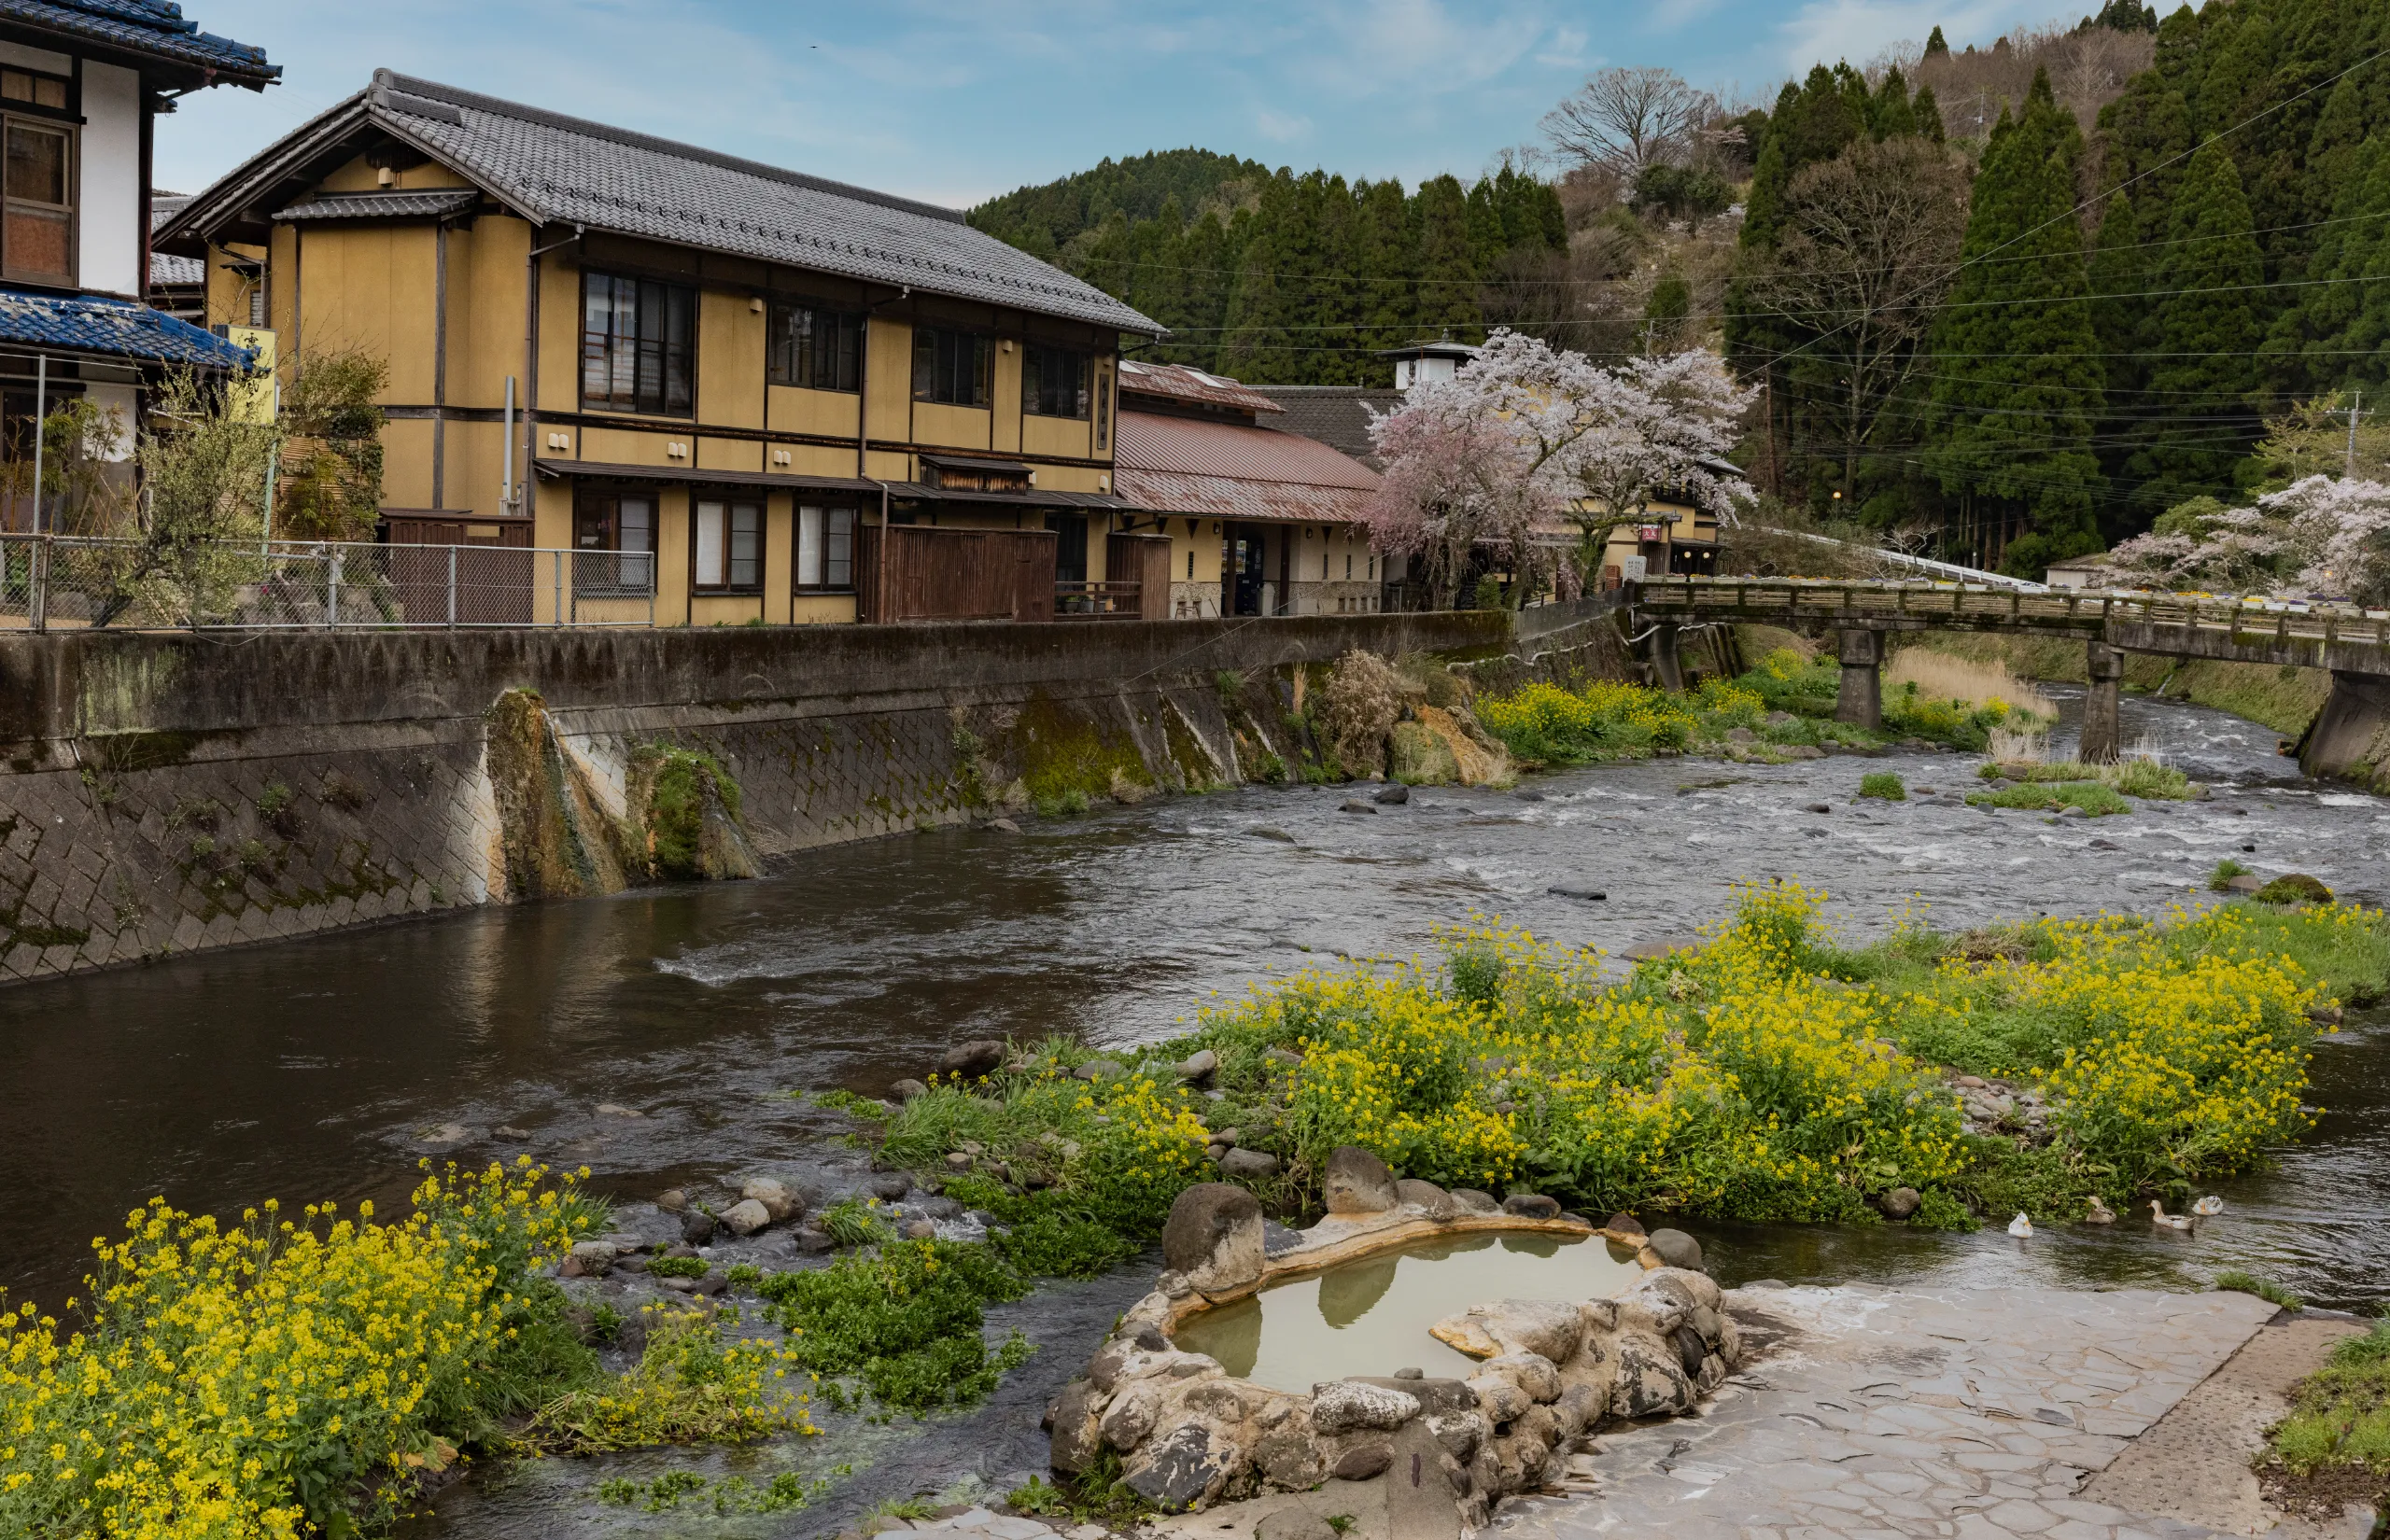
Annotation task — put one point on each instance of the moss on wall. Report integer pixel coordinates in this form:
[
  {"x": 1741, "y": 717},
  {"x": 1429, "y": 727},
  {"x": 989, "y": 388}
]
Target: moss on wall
[
  {"x": 1068, "y": 757},
  {"x": 687, "y": 810}
]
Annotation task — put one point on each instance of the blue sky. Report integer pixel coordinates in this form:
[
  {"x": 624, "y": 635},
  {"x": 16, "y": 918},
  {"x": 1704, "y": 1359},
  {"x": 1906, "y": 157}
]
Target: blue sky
[{"x": 955, "y": 100}]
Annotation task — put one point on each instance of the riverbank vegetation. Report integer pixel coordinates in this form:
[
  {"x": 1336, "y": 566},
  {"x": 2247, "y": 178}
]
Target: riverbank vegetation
[
  {"x": 2334, "y": 1448},
  {"x": 309, "y": 1373},
  {"x": 1769, "y": 1074}
]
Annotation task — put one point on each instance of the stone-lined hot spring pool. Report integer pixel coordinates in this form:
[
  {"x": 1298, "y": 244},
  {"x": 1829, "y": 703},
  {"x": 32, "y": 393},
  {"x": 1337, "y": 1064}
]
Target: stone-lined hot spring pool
[{"x": 1371, "y": 1316}]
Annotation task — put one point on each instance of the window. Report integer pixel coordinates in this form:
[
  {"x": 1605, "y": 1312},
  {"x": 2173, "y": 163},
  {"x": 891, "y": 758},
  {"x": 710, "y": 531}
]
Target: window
[
  {"x": 825, "y": 549},
  {"x": 1053, "y": 383},
  {"x": 819, "y": 349},
  {"x": 638, "y": 345},
  {"x": 1103, "y": 409},
  {"x": 1070, "y": 547},
  {"x": 951, "y": 367},
  {"x": 614, "y": 533},
  {"x": 1191, "y": 566},
  {"x": 38, "y": 233},
  {"x": 41, "y": 91},
  {"x": 727, "y": 548}
]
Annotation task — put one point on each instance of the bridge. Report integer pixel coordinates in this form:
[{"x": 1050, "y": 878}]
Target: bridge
[{"x": 2354, "y": 643}]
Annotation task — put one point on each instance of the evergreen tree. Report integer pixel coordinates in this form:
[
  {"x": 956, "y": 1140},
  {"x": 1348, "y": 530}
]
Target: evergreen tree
[
  {"x": 1389, "y": 300},
  {"x": 1936, "y": 48},
  {"x": 2344, "y": 330},
  {"x": 2120, "y": 316},
  {"x": 2203, "y": 323},
  {"x": 1889, "y": 113},
  {"x": 1448, "y": 275},
  {"x": 1666, "y": 314},
  {"x": 2017, "y": 382},
  {"x": 1928, "y": 113}
]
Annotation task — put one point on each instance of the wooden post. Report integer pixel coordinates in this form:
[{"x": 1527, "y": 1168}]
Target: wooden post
[
  {"x": 1668, "y": 666},
  {"x": 2103, "y": 737},
  {"x": 1861, "y": 702}
]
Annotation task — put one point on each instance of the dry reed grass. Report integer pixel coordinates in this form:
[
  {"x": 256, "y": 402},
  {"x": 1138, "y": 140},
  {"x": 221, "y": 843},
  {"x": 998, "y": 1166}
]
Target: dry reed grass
[{"x": 1943, "y": 677}]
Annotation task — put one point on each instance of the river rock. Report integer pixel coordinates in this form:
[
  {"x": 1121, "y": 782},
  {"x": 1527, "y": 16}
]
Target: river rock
[
  {"x": 1076, "y": 1438},
  {"x": 1358, "y": 807},
  {"x": 1900, "y": 1203},
  {"x": 1469, "y": 1200},
  {"x": 890, "y": 1186},
  {"x": 2245, "y": 883},
  {"x": 778, "y": 1201},
  {"x": 1213, "y": 1236},
  {"x": 615, "y": 1109},
  {"x": 1532, "y": 1372},
  {"x": 920, "y": 1229},
  {"x": 1098, "y": 1069},
  {"x": 1200, "y": 1067},
  {"x": 672, "y": 1200},
  {"x": 1356, "y": 1182},
  {"x": 1248, "y": 1165},
  {"x": 1801, "y": 751},
  {"x": 1676, "y": 1248},
  {"x": 1652, "y": 1381},
  {"x": 596, "y": 1257},
  {"x": 1393, "y": 796},
  {"x": 906, "y": 1089},
  {"x": 696, "y": 1227},
  {"x": 1003, "y": 826},
  {"x": 1131, "y": 1417},
  {"x": 1349, "y": 1406},
  {"x": 1498, "y": 1399},
  {"x": 1288, "y": 1460},
  {"x": 1585, "y": 891},
  {"x": 746, "y": 1216},
  {"x": 1817, "y": 808},
  {"x": 1623, "y": 1224},
  {"x": 1532, "y": 1206},
  {"x": 1427, "y": 1195},
  {"x": 1178, "y": 1470},
  {"x": 1285, "y": 1057},
  {"x": 507, "y": 1133},
  {"x": 971, "y": 1061},
  {"x": 1660, "y": 946},
  {"x": 1363, "y": 1460}
]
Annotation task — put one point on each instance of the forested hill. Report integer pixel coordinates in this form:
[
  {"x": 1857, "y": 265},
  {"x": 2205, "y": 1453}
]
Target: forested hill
[
  {"x": 1280, "y": 278},
  {"x": 1043, "y": 219}
]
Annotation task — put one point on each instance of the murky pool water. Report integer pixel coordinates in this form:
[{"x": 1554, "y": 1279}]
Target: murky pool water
[
  {"x": 1371, "y": 1317},
  {"x": 328, "y": 1068}
]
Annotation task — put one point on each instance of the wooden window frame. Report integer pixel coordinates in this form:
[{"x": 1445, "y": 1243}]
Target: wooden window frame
[
  {"x": 1034, "y": 358},
  {"x": 613, "y": 342},
  {"x": 589, "y": 587},
  {"x": 729, "y": 587},
  {"x": 782, "y": 366},
  {"x": 797, "y": 547},
  {"x": 928, "y": 376},
  {"x": 71, "y": 175}
]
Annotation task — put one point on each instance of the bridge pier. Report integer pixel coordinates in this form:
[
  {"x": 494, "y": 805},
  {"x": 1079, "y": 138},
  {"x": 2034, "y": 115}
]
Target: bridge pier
[
  {"x": 2103, "y": 737},
  {"x": 1667, "y": 661},
  {"x": 1861, "y": 702}
]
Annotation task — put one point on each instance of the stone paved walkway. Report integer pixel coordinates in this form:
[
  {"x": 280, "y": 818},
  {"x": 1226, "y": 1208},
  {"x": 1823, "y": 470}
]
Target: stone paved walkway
[{"x": 1884, "y": 1415}]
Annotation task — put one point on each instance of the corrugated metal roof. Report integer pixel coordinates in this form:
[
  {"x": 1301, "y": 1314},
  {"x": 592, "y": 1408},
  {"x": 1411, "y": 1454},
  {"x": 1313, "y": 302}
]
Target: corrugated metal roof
[
  {"x": 1180, "y": 383},
  {"x": 1227, "y": 471},
  {"x": 559, "y": 170},
  {"x": 152, "y": 27},
  {"x": 418, "y": 203},
  {"x": 111, "y": 328}
]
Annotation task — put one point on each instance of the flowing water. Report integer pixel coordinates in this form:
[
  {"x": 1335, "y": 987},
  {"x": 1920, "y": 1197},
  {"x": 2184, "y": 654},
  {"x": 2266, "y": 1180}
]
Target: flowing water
[{"x": 327, "y": 1068}]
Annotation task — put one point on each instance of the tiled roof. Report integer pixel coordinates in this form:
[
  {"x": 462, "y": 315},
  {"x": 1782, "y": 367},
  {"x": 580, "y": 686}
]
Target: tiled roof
[
  {"x": 164, "y": 269},
  {"x": 567, "y": 171},
  {"x": 152, "y": 27},
  {"x": 423, "y": 204},
  {"x": 1337, "y": 416},
  {"x": 1182, "y": 384},
  {"x": 1228, "y": 470},
  {"x": 112, "y": 328}
]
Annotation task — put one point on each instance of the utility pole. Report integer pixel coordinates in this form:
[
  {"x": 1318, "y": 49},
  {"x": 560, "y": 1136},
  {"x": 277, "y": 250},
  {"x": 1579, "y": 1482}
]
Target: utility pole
[{"x": 2355, "y": 397}]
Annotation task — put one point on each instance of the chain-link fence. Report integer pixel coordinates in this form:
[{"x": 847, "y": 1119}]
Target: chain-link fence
[{"x": 64, "y": 582}]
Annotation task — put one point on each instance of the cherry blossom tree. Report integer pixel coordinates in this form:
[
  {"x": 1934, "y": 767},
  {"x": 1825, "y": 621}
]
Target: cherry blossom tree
[
  {"x": 2322, "y": 535},
  {"x": 1531, "y": 444}
]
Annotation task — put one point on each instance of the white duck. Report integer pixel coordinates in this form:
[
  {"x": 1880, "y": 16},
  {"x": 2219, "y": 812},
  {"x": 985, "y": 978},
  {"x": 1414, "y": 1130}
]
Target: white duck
[
  {"x": 2100, "y": 1214},
  {"x": 2207, "y": 1206},
  {"x": 2157, "y": 1215},
  {"x": 2020, "y": 1226}
]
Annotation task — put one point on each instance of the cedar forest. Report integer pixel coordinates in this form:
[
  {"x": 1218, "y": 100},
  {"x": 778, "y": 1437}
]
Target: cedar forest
[{"x": 2005, "y": 306}]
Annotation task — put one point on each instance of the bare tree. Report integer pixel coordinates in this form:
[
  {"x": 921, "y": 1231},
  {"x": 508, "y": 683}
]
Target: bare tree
[
  {"x": 1627, "y": 118},
  {"x": 1870, "y": 244}
]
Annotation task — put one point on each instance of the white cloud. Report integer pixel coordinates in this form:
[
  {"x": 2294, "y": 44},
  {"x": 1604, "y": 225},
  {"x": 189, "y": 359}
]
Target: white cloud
[
  {"x": 1824, "y": 31},
  {"x": 1281, "y": 127}
]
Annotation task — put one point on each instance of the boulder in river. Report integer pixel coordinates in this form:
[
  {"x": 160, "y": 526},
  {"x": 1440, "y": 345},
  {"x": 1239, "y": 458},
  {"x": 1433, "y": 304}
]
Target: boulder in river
[
  {"x": 1199, "y": 1067},
  {"x": 779, "y": 1200},
  {"x": 1213, "y": 1236},
  {"x": 971, "y": 1061},
  {"x": 906, "y": 1089},
  {"x": 672, "y": 1200},
  {"x": 1393, "y": 796},
  {"x": 696, "y": 1227},
  {"x": 1676, "y": 1248},
  {"x": 1356, "y": 1182},
  {"x": 1900, "y": 1203},
  {"x": 1356, "y": 805},
  {"x": 746, "y": 1216}
]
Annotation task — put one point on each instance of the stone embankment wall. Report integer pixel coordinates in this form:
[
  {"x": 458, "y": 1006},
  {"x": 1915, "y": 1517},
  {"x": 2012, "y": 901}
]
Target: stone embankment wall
[{"x": 161, "y": 793}]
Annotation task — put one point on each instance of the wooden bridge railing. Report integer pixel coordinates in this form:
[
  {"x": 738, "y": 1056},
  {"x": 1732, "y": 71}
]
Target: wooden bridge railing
[{"x": 1925, "y": 605}]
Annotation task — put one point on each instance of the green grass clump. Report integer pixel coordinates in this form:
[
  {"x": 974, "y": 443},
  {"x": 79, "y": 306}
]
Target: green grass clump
[
  {"x": 732, "y": 1494},
  {"x": 2296, "y": 888},
  {"x": 2089, "y": 795},
  {"x": 1882, "y": 785},
  {"x": 902, "y": 1324},
  {"x": 2234, "y": 1280},
  {"x": 2138, "y": 777},
  {"x": 857, "y": 1222},
  {"x": 2340, "y": 1415},
  {"x": 680, "y": 1266},
  {"x": 2220, "y": 880}
]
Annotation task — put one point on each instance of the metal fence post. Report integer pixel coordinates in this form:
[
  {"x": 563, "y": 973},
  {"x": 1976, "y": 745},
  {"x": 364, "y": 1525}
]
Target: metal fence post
[
  {"x": 556, "y": 565},
  {"x": 37, "y": 586},
  {"x": 452, "y": 588},
  {"x": 331, "y": 593}
]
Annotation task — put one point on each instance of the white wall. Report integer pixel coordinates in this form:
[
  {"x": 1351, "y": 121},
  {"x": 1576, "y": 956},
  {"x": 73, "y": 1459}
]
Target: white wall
[{"x": 109, "y": 210}]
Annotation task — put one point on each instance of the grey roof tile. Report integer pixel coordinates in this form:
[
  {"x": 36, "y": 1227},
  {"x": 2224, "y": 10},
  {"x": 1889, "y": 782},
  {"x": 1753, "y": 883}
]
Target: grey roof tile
[
  {"x": 569, "y": 171},
  {"x": 154, "y": 27},
  {"x": 417, "y": 204}
]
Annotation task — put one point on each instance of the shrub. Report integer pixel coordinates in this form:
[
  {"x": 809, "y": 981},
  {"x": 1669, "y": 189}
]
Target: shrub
[
  {"x": 902, "y": 1323},
  {"x": 2220, "y": 880},
  {"x": 857, "y": 1222},
  {"x": 1884, "y": 785},
  {"x": 680, "y": 1266},
  {"x": 690, "y": 1386},
  {"x": 2294, "y": 887}
]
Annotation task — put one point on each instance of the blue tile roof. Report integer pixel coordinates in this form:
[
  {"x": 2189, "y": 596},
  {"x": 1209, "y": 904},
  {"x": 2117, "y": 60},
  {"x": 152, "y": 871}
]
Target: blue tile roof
[
  {"x": 114, "y": 329},
  {"x": 153, "y": 27}
]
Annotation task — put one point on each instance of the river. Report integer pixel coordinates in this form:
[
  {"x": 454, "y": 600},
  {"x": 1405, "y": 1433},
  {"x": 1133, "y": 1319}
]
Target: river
[{"x": 327, "y": 1068}]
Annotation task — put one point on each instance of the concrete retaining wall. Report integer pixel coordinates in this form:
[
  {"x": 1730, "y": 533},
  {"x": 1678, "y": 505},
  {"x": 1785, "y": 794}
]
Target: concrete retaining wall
[{"x": 167, "y": 792}]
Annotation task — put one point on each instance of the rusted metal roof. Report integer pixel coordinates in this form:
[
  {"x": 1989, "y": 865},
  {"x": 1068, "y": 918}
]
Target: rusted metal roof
[
  {"x": 1227, "y": 471},
  {"x": 1181, "y": 384}
]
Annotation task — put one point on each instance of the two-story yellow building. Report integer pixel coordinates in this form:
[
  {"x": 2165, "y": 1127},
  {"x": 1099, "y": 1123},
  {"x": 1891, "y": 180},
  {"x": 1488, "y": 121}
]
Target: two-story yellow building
[{"x": 714, "y": 381}]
